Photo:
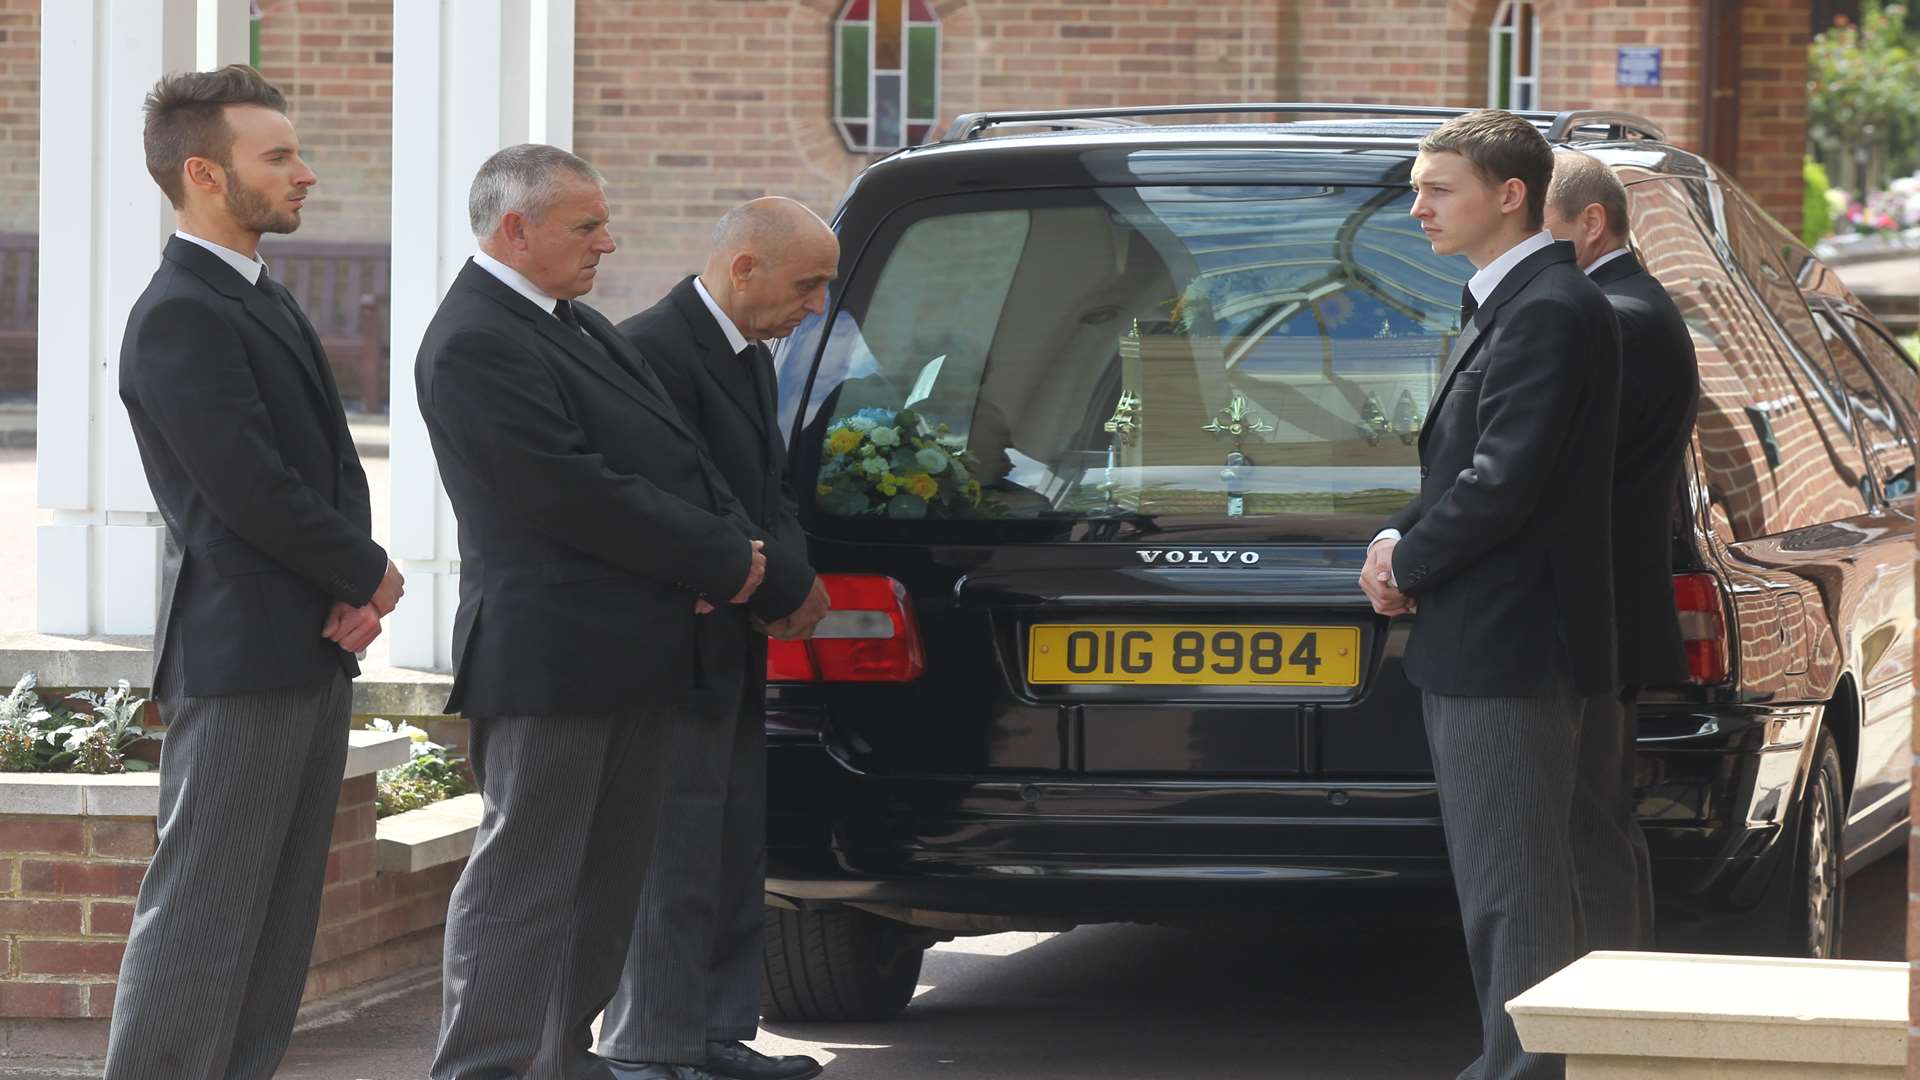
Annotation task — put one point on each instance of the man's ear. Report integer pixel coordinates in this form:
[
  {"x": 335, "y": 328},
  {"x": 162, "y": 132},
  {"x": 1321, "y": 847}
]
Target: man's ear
[
  {"x": 204, "y": 175},
  {"x": 741, "y": 268},
  {"x": 1593, "y": 221},
  {"x": 1513, "y": 196},
  {"x": 513, "y": 226}
]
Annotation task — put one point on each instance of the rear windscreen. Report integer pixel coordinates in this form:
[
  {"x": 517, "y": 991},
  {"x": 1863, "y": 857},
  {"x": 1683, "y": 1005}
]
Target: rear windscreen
[{"x": 1130, "y": 353}]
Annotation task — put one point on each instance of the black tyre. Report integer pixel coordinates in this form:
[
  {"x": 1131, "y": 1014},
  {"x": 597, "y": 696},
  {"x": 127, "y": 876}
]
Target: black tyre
[
  {"x": 837, "y": 965},
  {"x": 1816, "y": 894}
]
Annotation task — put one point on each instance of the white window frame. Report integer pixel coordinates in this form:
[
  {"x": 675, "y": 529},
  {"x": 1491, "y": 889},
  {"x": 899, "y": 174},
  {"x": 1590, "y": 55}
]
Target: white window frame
[{"x": 1506, "y": 25}]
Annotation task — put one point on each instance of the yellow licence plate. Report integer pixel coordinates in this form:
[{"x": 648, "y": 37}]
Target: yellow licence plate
[{"x": 1194, "y": 655}]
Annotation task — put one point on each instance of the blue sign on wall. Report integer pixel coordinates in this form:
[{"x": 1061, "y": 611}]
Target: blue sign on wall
[{"x": 1639, "y": 66}]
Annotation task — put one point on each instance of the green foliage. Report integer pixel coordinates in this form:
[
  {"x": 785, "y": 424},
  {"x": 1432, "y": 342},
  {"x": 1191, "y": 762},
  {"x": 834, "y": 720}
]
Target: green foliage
[
  {"x": 1816, "y": 209},
  {"x": 1912, "y": 344},
  {"x": 35, "y": 737},
  {"x": 1863, "y": 109},
  {"x": 429, "y": 776}
]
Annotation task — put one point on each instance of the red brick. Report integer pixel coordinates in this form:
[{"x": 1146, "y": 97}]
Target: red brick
[
  {"x": 64, "y": 836},
  {"x": 71, "y": 957},
  {"x": 107, "y": 917},
  {"x": 81, "y": 878},
  {"x": 42, "y": 999},
  {"x": 40, "y": 916},
  {"x": 123, "y": 839}
]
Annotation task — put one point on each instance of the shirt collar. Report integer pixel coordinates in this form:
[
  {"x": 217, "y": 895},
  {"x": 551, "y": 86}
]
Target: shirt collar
[
  {"x": 1607, "y": 258},
  {"x": 249, "y": 268},
  {"x": 515, "y": 280},
  {"x": 1489, "y": 277},
  {"x": 736, "y": 340}
]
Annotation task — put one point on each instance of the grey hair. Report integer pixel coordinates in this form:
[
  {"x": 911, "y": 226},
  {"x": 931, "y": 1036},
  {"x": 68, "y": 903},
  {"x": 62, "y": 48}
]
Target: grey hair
[
  {"x": 523, "y": 179},
  {"x": 764, "y": 226},
  {"x": 1579, "y": 181}
]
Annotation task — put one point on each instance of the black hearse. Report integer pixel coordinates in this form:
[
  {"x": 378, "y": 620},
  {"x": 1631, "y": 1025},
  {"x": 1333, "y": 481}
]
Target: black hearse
[{"x": 1090, "y": 443}]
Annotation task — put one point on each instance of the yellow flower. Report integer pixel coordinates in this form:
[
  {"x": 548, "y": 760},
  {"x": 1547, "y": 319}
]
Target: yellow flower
[
  {"x": 843, "y": 441},
  {"x": 889, "y": 485},
  {"x": 822, "y": 489},
  {"x": 923, "y": 485}
]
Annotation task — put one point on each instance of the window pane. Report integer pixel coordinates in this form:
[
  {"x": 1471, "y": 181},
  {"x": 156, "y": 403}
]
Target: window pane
[
  {"x": 853, "y": 72},
  {"x": 923, "y": 67},
  {"x": 1762, "y": 450},
  {"x": 886, "y": 112},
  {"x": 1872, "y": 395},
  {"x": 1135, "y": 353}
]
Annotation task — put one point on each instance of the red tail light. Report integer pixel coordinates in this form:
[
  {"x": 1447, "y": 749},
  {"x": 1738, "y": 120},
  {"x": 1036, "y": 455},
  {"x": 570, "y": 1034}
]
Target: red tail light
[
  {"x": 1703, "y": 626},
  {"x": 869, "y": 636}
]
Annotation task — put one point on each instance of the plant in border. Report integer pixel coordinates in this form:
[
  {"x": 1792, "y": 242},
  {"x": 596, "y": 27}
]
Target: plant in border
[
  {"x": 35, "y": 737},
  {"x": 429, "y": 776}
]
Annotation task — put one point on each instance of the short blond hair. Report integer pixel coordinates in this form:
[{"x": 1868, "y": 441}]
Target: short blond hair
[{"x": 1582, "y": 180}]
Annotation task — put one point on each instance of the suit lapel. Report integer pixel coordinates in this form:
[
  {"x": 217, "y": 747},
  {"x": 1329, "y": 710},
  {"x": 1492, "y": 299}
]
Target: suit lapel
[
  {"x": 269, "y": 312},
  {"x": 1483, "y": 318},
  {"x": 736, "y": 378},
  {"x": 1619, "y": 269}
]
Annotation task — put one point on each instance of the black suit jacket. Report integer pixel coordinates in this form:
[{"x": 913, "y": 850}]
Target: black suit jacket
[
  {"x": 590, "y": 518},
  {"x": 730, "y": 404},
  {"x": 1660, "y": 390},
  {"x": 1508, "y": 548},
  {"x": 246, "y": 450}
]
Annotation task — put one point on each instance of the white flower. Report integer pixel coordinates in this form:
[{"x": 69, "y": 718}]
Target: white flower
[
  {"x": 859, "y": 423},
  {"x": 931, "y": 460},
  {"x": 884, "y": 436},
  {"x": 873, "y": 466}
]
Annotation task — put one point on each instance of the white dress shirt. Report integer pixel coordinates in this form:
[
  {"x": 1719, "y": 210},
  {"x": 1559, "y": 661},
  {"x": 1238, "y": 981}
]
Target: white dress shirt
[
  {"x": 1481, "y": 285},
  {"x": 736, "y": 340},
  {"x": 249, "y": 268},
  {"x": 1607, "y": 258},
  {"x": 515, "y": 280}
]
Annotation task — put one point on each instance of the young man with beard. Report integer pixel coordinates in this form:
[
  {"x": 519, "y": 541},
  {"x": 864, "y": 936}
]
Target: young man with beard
[
  {"x": 271, "y": 584},
  {"x": 1507, "y": 555}
]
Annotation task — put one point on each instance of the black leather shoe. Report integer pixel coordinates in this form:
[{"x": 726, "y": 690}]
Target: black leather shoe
[
  {"x": 738, "y": 1061},
  {"x": 640, "y": 1070}
]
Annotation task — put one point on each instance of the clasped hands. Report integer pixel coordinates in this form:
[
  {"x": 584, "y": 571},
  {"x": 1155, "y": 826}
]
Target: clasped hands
[
  {"x": 354, "y": 628},
  {"x": 796, "y": 625},
  {"x": 1376, "y": 580}
]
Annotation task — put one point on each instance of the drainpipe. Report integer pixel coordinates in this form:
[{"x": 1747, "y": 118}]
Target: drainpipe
[{"x": 1720, "y": 83}]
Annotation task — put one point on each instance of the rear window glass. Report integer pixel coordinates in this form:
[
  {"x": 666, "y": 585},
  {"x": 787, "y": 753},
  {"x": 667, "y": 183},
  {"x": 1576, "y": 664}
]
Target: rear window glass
[{"x": 1209, "y": 353}]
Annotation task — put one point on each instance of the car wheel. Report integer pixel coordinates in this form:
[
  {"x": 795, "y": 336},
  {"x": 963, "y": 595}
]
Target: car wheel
[
  {"x": 1816, "y": 893},
  {"x": 837, "y": 965}
]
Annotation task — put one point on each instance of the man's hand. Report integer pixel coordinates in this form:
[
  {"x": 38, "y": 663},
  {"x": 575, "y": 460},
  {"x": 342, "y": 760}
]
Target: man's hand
[
  {"x": 1376, "y": 580},
  {"x": 756, "y": 572},
  {"x": 387, "y": 596},
  {"x": 352, "y": 628},
  {"x": 701, "y": 607},
  {"x": 799, "y": 623}
]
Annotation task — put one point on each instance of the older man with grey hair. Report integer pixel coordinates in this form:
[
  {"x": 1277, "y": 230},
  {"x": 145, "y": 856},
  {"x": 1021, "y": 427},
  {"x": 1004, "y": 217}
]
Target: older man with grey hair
[
  {"x": 1660, "y": 387},
  {"x": 594, "y": 534}
]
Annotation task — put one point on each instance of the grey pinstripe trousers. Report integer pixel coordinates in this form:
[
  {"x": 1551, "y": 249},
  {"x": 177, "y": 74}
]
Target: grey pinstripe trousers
[
  {"x": 1611, "y": 861},
  {"x": 1506, "y": 769},
  {"x": 538, "y": 925},
  {"x": 693, "y": 968},
  {"x": 223, "y": 930}
]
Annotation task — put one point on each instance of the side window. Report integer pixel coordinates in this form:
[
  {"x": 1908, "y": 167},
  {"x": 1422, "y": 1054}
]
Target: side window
[
  {"x": 1772, "y": 462},
  {"x": 1872, "y": 396}
]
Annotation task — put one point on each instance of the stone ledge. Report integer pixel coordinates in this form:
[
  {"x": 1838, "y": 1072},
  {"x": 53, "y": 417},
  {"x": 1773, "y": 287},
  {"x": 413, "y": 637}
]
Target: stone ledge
[
  {"x": 1634, "y": 1014},
  {"x": 138, "y": 794},
  {"x": 97, "y": 662},
  {"x": 430, "y": 836}
]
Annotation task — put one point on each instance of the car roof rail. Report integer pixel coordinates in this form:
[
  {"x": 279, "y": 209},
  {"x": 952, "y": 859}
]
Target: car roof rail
[
  {"x": 1560, "y": 125},
  {"x": 1620, "y": 124}
]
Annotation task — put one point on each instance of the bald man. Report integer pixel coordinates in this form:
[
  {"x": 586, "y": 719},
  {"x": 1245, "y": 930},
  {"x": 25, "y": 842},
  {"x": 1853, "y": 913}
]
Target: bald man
[{"x": 690, "y": 998}]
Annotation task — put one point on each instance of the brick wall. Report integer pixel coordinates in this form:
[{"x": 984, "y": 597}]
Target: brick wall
[
  {"x": 334, "y": 61},
  {"x": 1774, "y": 35},
  {"x": 19, "y": 115},
  {"x": 67, "y": 890}
]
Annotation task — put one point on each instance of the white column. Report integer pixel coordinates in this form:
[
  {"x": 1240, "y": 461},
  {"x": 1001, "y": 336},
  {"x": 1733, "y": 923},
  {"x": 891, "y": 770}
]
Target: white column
[
  {"x": 469, "y": 77},
  {"x": 102, "y": 224}
]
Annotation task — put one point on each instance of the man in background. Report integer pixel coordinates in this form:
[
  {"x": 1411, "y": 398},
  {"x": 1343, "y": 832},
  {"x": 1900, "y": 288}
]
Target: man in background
[{"x": 1660, "y": 389}]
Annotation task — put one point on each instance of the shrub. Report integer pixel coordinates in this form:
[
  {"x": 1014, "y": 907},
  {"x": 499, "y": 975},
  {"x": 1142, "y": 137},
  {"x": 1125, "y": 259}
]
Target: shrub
[
  {"x": 429, "y": 775},
  {"x": 1816, "y": 207},
  {"x": 37, "y": 737}
]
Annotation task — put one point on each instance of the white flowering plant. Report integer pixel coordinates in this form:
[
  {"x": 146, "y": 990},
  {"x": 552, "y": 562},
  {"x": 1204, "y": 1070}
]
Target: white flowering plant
[
  {"x": 887, "y": 463},
  {"x": 37, "y": 737},
  {"x": 430, "y": 775}
]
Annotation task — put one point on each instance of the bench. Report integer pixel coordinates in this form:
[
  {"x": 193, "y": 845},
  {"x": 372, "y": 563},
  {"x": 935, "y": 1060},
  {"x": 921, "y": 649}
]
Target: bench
[{"x": 343, "y": 288}]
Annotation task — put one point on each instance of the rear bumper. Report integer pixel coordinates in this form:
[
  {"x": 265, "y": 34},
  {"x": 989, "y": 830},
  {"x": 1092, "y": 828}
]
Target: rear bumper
[{"x": 1082, "y": 849}]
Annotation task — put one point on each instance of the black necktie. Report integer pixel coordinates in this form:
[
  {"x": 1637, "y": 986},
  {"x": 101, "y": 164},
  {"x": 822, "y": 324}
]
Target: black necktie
[
  {"x": 563, "y": 310},
  {"x": 1468, "y": 305}
]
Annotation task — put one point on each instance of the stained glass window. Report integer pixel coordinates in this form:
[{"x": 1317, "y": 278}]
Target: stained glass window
[
  {"x": 1513, "y": 57},
  {"x": 886, "y": 84}
]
